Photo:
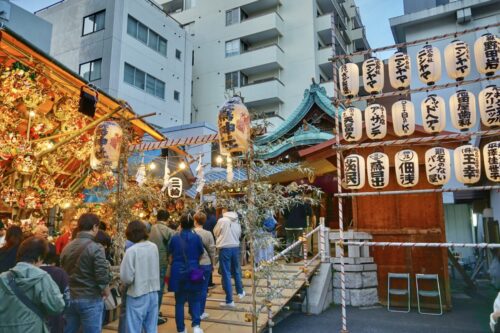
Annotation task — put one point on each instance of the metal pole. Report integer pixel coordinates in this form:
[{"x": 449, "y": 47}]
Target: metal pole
[
  {"x": 436, "y": 190},
  {"x": 339, "y": 177}
]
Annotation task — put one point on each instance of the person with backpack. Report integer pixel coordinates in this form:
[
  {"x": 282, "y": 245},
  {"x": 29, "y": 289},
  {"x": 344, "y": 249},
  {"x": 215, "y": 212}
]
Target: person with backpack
[
  {"x": 28, "y": 294},
  {"x": 85, "y": 262}
]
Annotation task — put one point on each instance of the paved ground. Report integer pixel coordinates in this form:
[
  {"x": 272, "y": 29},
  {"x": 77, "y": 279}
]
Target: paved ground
[{"x": 470, "y": 314}]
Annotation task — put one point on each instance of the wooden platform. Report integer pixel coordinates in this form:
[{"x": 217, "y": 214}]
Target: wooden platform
[{"x": 289, "y": 277}]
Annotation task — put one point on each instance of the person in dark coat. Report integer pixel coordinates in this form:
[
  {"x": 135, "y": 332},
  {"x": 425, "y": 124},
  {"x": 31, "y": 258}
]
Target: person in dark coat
[
  {"x": 8, "y": 252},
  {"x": 209, "y": 226},
  {"x": 295, "y": 224}
]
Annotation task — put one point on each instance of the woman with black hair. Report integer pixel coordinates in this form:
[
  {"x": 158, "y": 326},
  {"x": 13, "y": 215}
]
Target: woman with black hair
[
  {"x": 8, "y": 252},
  {"x": 186, "y": 279}
]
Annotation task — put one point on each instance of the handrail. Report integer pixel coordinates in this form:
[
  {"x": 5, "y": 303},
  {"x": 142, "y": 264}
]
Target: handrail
[
  {"x": 263, "y": 81},
  {"x": 260, "y": 15},
  {"x": 262, "y": 47}
]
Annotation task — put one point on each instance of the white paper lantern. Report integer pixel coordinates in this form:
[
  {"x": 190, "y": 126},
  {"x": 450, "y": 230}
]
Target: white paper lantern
[
  {"x": 486, "y": 53},
  {"x": 429, "y": 64},
  {"x": 376, "y": 121},
  {"x": 457, "y": 60},
  {"x": 489, "y": 106},
  {"x": 352, "y": 124},
  {"x": 403, "y": 117},
  {"x": 463, "y": 110},
  {"x": 491, "y": 154},
  {"x": 354, "y": 172},
  {"x": 438, "y": 165},
  {"x": 373, "y": 75},
  {"x": 175, "y": 187},
  {"x": 467, "y": 164},
  {"x": 349, "y": 79},
  {"x": 377, "y": 170},
  {"x": 106, "y": 149},
  {"x": 406, "y": 162},
  {"x": 433, "y": 114},
  {"x": 234, "y": 128},
  {"x": 399, "y": 70}
]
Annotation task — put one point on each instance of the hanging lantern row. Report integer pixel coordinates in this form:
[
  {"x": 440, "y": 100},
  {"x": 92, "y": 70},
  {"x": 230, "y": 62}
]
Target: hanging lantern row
[
  {"x": 457, "y": 63},
  {"x": 462, "y": 106},
  {"x": 467, "y": 165}
]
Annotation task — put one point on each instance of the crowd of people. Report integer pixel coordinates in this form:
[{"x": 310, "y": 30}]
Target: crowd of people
[{"x": 63, "y": 287}]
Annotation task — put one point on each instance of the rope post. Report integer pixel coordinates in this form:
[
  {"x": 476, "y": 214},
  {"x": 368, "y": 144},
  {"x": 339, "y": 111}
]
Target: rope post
[
  {"x": 305, "y": 268},
  {"x": 269, "y": 306},
  {"x": 322, "y": 247},
  {"x": 339, "y": 177}
]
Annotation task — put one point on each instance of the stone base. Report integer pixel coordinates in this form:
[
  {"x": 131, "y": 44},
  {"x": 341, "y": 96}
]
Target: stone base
[
  {"x": 353, "y": 261},
  {"x": 357, "y": 297},
  {"x": 357, "y": 280}
]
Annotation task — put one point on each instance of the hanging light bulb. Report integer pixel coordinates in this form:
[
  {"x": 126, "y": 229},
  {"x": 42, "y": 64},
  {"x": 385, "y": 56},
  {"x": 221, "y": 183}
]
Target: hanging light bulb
[
  {"x": 32, "y": 114},
  {"x": 219, "y": 160},
  {"x": 182, "y": 165}
]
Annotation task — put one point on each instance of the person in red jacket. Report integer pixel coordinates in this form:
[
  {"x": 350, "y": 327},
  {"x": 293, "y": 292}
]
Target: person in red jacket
[{"x": 65, "y": 238}]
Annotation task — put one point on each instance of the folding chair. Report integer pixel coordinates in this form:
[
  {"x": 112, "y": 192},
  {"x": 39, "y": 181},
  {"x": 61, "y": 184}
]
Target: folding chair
[
  {"x": 429, "y": 293},
  {"x": 398, "y": 292}
]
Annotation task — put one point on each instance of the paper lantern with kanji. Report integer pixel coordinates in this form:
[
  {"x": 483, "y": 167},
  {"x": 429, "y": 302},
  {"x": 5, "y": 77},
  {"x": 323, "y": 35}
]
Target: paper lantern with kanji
[
  {"x": 429, "y": 64},
  {"x": 234, "y": 128},
  {"x": 467, "y": 164},
  {"x": 489, "y": 106},
  {"x": 352, "y": 124},
  {"x": 463, "y": 110},
  {"x": 403, "y": 117},
  {"x": 108, "y": 137},
  {"x": 399, "y": 70},
  {"x": 174, "y": 187},
  {"x": 438, "y": 165},
  {"x": 433, "y": 110},
  {"x": 406, "y": 163},
  {"x": 377, "y": 170},
  {"x": 491, "y": 155},
  {"x": 373, "y": 75},
  {"x": 349, "y": 79},
  {"x": 486, "y": 53},
  {"x": 376, "y": 121},
  {"x": 457, "y": 60},
  {"x": 354, "y": 172}
]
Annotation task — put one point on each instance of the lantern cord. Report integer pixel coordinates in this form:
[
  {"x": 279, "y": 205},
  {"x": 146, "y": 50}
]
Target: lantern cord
[
  {"x": 425, "y": 139},
  {"x": 435, "y": 190},
  {"x": 422, "y": 89},
  {"x": 415, "y": 42},
  {"x": 410, "y": 244}
]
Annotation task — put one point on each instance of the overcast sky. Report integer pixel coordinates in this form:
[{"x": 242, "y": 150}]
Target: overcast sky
[{"x": 375, "y": 15}]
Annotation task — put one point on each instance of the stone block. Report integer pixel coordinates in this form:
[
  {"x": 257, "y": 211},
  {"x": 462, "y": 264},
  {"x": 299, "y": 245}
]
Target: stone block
[
  {"x": 369, "y": 279},
  {"x": 337, "y": 294},
  {"x": 363, "y": 297},
  {"x": 353, "y": 252},
  {"x": 350, "y": 268},
  {"x": 353, "y": 261},
  {"x": 352, "y": 280},
  {"x": 365, "y": 251},
  {"x": 369, "y": 267}
]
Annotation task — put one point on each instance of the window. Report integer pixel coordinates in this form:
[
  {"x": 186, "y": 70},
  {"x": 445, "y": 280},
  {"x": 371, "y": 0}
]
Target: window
[
  {"x": 235, "y": 79},
  {"x": 144, "y": 81},
  {"x": 178, "y": 54},
  {"x": 233, "y": 16},
  {"x": 177, "y": 95},
  {"x": 141, "y": 32},
  {"x": 188, "y": 4},
  {"x": 93, "y": 23},
  {"x": 233, "y": 47},
  {"x": 91, "y": 70}
]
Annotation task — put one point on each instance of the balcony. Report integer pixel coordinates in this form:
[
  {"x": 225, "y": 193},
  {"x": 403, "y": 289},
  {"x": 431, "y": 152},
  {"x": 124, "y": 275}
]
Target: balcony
[
  {"x": 263, "y": 92},
  {"x": 258, "y": 6},
  {"x": 255, "y": 61},
  {"x": 328, "y": 85},
  {"x": 323, "y": 54},
  {"x": 324, "y": 29},
  {"x": 358, "y": 36},
  {"x": 257, "y": 29}
]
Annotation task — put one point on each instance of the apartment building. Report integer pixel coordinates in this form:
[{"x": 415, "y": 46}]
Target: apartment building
[
  {"x": 266, "y": 50},
  {"x": 131, "y": 49}
]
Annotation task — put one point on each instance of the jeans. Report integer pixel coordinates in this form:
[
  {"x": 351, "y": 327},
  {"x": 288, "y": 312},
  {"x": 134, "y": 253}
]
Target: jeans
[
  {"x": 122, "y": 321},
  {"x": 194, "y": 300},
  {"x": 142, "y": 313},
  {"x": 229, "y": 261},
  {"x": 163, "y": 272},
  {"x": 292, "y": 235},
  {"x": 207, "y": 272},
  {"x": 85, "y": 314}
]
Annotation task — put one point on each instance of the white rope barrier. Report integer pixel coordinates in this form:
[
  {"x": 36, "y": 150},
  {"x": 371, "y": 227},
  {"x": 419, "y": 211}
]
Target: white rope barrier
[
  {"x": 438, "y": 245},
  {"x": 437, "y": 190}
]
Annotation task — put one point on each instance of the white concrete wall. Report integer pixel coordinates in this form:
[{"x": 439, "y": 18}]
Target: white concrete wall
[
  {"x": 34, "y": 29},
  {"x": 116, "y": 47},
  {"x": 495, "y": 204}
]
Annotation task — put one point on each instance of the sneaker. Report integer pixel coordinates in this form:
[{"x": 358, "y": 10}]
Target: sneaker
[
  {"x": 162, "y": 320},
  {"x": 241, "y": 295},
  {"x": 183, "y": 331},
  {"x": 204, "y": 316},
  {"x": 197, "y": 329},
  {"x": 228, "y": 305}
]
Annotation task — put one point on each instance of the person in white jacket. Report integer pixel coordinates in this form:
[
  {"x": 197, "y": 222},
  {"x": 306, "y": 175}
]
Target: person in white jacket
[
  {"x": 227, "y": 232},
  {"x": 140, "y": 271}
]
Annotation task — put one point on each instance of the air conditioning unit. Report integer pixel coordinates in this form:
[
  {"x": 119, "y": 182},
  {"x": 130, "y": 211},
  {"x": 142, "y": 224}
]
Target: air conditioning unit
[{"x": 464, "y": 15}]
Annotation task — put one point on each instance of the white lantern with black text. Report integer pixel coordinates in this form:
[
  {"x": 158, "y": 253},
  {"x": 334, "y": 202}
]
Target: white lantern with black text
[
  {"x": 399, "y": 70},
  {"x": 457, "y": 60},
  {"x": 175, "y": 187},
  {"x": 486, "y": 53},
  {"x": 429, "y": 64},
  {"x": 491, "y": 155},
  {"x": 438, "y": 165},
  {"x": 377, "y": 170},
  {"x": 373, "y": 75},
  {"x": 406, "y": 163},
  {"x": 433, "y": 110},
  {"x": 349, "y": 79},
  {"x": 352, "y": 124},
  {"x": 467, "y": 164},
  {"x": 354, "y": 171},
  {"x": 376, "y": 121},
  {"x": 403, "y": 117},
  {"x": 463, "y": 110},
  {"x": 489, "y": 106}
]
